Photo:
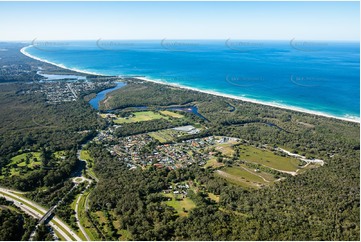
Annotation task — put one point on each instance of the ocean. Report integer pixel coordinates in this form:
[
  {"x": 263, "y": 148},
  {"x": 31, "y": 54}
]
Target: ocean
[{"x": 320, "y": 77}]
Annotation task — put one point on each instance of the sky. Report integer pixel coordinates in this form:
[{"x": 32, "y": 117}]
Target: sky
[{"x": 179, "y": 20}]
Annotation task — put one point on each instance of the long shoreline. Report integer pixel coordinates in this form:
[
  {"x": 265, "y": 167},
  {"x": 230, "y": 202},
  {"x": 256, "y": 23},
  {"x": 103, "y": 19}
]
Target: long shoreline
[
  {"x": 292, "y": 108},
  {"x": 23, "y": 51}
]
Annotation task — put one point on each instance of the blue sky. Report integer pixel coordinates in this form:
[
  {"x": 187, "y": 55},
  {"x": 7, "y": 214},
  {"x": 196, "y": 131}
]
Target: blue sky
[{"x": 179, "y": 20}]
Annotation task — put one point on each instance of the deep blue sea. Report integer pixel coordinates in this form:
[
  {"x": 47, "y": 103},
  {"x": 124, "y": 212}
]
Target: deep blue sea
[{"x": 314, "y": 76}]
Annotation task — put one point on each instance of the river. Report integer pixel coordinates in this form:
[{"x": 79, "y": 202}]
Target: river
[{"x": 101, "y": 95}]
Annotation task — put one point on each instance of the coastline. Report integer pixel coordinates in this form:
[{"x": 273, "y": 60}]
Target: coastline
[
  {"x": 23, "y": 51},
  {"x": 275, "y": 105}
]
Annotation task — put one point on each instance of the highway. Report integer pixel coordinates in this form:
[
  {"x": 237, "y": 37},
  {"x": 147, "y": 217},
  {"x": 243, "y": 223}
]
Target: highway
[
  {"x": 38, "y": 212},
  {"x": 42, "y": 214}
]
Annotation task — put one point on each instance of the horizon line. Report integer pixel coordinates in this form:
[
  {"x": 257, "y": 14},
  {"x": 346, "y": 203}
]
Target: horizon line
[{"x": 160, "y": 39}]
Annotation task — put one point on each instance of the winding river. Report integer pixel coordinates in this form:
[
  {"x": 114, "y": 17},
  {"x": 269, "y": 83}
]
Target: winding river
[
  {"x": 94, "y": 102},
  {"x": 101, "y": 95}
]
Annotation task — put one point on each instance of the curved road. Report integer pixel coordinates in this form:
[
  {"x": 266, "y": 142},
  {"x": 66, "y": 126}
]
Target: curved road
[
  {"x": 19, "y": 201},
  {"x": 77, "y": 217}
]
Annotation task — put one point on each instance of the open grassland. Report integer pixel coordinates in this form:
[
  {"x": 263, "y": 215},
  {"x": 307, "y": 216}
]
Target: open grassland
[
  {"x": 101, "y": 217},
  {"x": 59, "y": 154},
  {"x": 72, "y": 205},
  {"x": 140, "y": 116},
  {"x": 241, "y": 177},
  {"x": 84, "y": 155},
  {"x": 23, "y": 163},
  {"x": 165, "y": 135},
  {"x": 172, "y": 114},
  {"x": 268, "y": 159},
  {"x": 267, "y": 177},
  {"x": 105, "y": 222},
  {"x": 181, "y": 205},
  {"x": 213, "y": 163},
  {"x": 213, "y": 197},
  {"x": 225, "y": 149},
  {"x": 84, "y": 220},
  {"x": 124, "y": 235},
  {"x": 34, "y": 159},
  {"x": 161, "y": 137}
]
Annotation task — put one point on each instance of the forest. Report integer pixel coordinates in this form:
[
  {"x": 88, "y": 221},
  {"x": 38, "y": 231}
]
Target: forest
[
  {"x": 38, "y": 155},
  {"x": 321, "y": 204},
  {"x": 31, "y": 125},
  {"x": 15, "y": 225}
]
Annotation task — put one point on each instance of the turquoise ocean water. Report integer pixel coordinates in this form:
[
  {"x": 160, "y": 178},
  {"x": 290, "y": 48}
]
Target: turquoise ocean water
[{"x": 317, "y": 77}]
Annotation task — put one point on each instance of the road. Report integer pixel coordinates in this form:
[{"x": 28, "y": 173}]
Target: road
[
  {"x": 32, "y": 210},
  {"x": 250, "y": 171},
  {"x": 86, "y": 162},
  {"x": 301, "y": 157},
  {"x": 72, "y": 91},
  {"x": 93, "y": 178},
  {"x": 77, "y": 217}
]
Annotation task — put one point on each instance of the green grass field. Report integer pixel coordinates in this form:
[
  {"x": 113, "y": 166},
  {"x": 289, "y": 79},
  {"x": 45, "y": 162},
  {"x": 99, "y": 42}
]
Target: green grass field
[
  {"x": 268, "y": 159},
  {"x": 172, "y": 114},
  {"x": 84, "y": 155},
  {"x": 140, "y": 116},
  {"x": 18, "y": 163},
  {"x": 226, "y": 149},
  {"x": 72, "y": 205},
  {"x": 165, "y": 135},
  {"x": 213, "y": 197},
  {"x": 160, "y": 137},
  {"x": 241, "y": 177},
  {"x": 213, "y": 163},
  {"x": 88, "y": 227},
  {"x": 104, "y": 222},
  {"x": 59, "y": 154},
  {"x": 267, "y": 177},
  {"x": 125, "y": 234},
  {"x": 20, "y": 159},
  {"x": 186, "y": 203},
  {"x": 101, "y": 217}
]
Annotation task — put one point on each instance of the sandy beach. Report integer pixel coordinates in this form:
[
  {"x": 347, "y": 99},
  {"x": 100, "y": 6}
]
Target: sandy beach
[
  {"x": 271, "y": 104},
  {"x": 23, "y": 51}
]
